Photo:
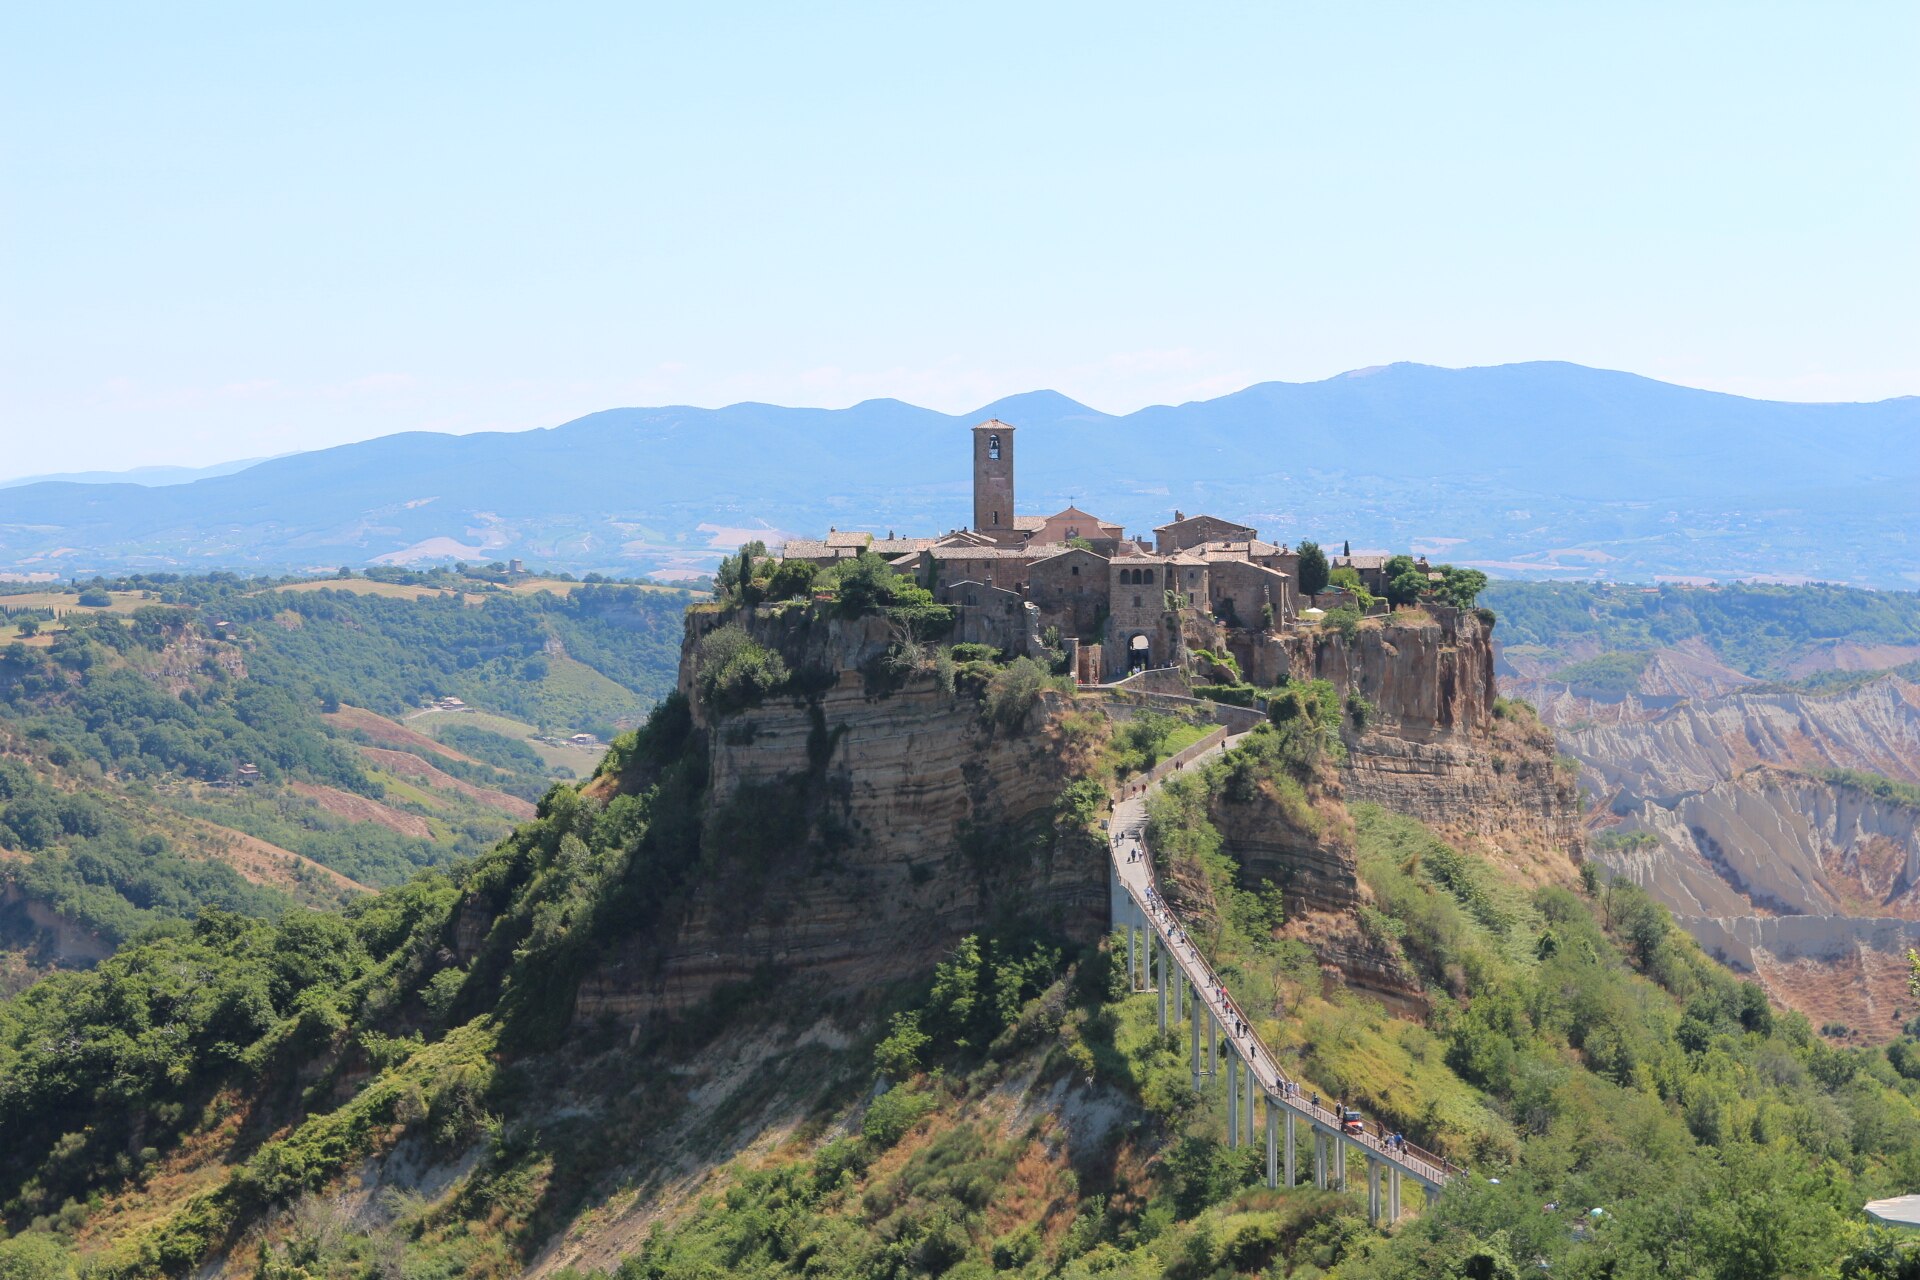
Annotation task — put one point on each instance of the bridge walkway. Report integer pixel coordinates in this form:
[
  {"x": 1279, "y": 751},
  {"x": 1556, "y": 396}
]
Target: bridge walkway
[{"x": 1198, "y": 996}]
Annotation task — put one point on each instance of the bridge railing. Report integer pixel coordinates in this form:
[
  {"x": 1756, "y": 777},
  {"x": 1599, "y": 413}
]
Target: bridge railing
[
  {"x": 1423, "y": 1164},
  {"x": 1416, "y": 1159}
]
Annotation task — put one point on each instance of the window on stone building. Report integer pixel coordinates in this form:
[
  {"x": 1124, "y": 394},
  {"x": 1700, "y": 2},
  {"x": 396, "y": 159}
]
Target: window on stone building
[
  {"x": 1076, "y": 571},
  {"x": 1136, "y": 602},
  {"x": 1149, "y": 575},
  {"x": 993, "y": 452}
]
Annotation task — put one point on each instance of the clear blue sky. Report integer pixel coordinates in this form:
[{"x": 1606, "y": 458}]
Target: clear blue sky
[{"x": 236, "y": 230}]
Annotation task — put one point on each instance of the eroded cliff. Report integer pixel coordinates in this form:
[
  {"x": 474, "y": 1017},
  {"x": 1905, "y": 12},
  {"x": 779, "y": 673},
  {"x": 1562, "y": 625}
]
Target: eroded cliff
[
  {"x": 855, "y": 832},
  {"x": 1737, "y": 811},
  {"x": 1425, "y": 736}
]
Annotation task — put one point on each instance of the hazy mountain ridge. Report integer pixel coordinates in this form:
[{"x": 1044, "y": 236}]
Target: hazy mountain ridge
[{"x": 1534, "y": 467}]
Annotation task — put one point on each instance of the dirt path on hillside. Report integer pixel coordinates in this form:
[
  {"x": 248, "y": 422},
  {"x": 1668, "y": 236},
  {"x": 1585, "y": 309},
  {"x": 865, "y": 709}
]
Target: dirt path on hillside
[
  {"x": 389, "y": 734},
  {"x": 345, "y": 804},
  {"x": 263, "y": 863},
  {"x": 408, "y": 765}
]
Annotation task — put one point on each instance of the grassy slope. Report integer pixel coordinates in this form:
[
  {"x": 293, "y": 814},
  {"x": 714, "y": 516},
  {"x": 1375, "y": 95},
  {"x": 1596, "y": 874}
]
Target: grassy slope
[{"x": 292, "y": 847}]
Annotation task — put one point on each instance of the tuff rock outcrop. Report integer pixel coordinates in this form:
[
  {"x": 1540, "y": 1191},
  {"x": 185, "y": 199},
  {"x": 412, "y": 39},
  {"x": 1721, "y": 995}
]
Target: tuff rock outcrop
[{"x": 857, "y": 833}]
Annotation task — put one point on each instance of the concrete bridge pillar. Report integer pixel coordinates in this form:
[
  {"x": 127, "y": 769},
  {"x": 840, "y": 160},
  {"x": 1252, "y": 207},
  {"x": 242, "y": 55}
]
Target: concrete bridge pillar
[
  {"x": 1213, "y": 1043},
  {"x": 1340, "y": 1162},
  {"x": 1133, "y": 974},
  {"x": 1373, "y": 1192},
  {"x": 1319, "y": 1158},
  {"x": 1196, "y": 1048},
  {"x": 1158, "y": 956},
  {"x": 1289, "y": 1170},
  {"x": 1233, "y": 1100},
  {"x": 1273, "y": 1143},
  {"x": 1393, "y": 1194},
  {"x": 1253, "y": 1087}
]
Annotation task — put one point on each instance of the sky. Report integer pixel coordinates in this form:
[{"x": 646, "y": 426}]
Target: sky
[{"x": 240, "y": 230}]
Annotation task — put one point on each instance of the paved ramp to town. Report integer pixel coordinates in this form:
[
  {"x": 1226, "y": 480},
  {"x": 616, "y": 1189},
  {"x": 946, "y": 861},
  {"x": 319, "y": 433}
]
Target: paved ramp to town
[{"x": 1198, "y": 997}]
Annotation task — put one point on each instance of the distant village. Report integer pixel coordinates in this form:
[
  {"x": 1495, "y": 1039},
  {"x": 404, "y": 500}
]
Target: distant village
[{"x": 1116, "y": 604}]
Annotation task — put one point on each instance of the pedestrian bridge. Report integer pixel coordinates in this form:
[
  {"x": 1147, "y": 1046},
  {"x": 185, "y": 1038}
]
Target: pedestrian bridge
[{"x": 1161, "y": 960}]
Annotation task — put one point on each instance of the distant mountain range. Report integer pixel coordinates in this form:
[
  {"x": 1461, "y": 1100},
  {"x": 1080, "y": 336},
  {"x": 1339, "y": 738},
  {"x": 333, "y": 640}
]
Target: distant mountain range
[
  {"x": 152, "y": 477},
  {"x": 1542, "y": 469}
]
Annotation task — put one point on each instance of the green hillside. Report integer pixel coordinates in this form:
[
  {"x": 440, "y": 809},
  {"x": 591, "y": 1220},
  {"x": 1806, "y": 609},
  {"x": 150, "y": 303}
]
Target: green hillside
[
  {"x": 124, "y": 729},
  {"x": 1014, "y": 1112},
  {"x": 1757, "y": 630}
]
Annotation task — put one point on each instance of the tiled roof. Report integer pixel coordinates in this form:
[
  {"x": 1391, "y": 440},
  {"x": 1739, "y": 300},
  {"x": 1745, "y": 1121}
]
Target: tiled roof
[
  {"x": 1054, "y": 550},
  {"x": 1361, "y": 560},
  {"x": 1251, "y": 567},
  {"x": 849, "y": 538},
  {"x": 1029, "y": 522},
  {"x": 814, "y": 549},
  {"x": 1187, "y": 520},
  {"x": 983, "y": 553}
]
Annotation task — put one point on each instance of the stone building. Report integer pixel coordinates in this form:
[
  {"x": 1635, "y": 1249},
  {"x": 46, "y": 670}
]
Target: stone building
[
  {"x": 1118, "y": 603},
  {"x": 1186, "y": 531},
  {"x": 1071, "y": 589}
]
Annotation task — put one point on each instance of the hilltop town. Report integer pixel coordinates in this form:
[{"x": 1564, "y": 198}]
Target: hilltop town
[{"x": 1203, "y": 586}]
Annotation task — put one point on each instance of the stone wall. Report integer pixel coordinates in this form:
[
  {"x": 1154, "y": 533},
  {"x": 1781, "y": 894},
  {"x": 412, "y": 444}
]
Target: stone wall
[{"x": 1071, "y": 592}]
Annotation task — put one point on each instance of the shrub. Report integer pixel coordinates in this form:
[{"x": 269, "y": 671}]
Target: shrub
[
  {"x": 899, "y": 1054},
  {"x": 894, "y": 1112},
  {"x": 734, "y": 671},
  {"x": 1345, "y": 620},
  {"x": 1014, "y": 690},
  {"x": 793, "y": 580},
  {"x": 95, "y": 598}
]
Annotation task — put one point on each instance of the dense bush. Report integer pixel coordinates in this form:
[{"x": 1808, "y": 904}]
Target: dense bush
[{"x": 733, "y": 671}]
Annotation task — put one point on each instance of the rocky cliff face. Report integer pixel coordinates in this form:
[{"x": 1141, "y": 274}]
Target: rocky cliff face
[
  {"x": 1429, "y": 675},
  {"x": 854, "y": 836},
  {"x": 1697, "y": 745},
  {"x": 1717, "y": 814},
  {"x": 1435, "y": 750},
  {"x": 1432, "y": 749}
]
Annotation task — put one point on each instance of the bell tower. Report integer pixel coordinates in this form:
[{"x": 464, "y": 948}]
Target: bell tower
[{"x": 993, "y": 478}]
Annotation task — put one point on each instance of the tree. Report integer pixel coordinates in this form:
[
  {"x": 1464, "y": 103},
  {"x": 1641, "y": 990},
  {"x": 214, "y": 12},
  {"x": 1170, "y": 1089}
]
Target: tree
[
  {"x": 1461, "y": 587},
  {"x": 793, "y": 580},
  {"x": 1313, "y": 569},
  {"x": 1405, "y": 582},
  {"x": 35, "y": 1255}
]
